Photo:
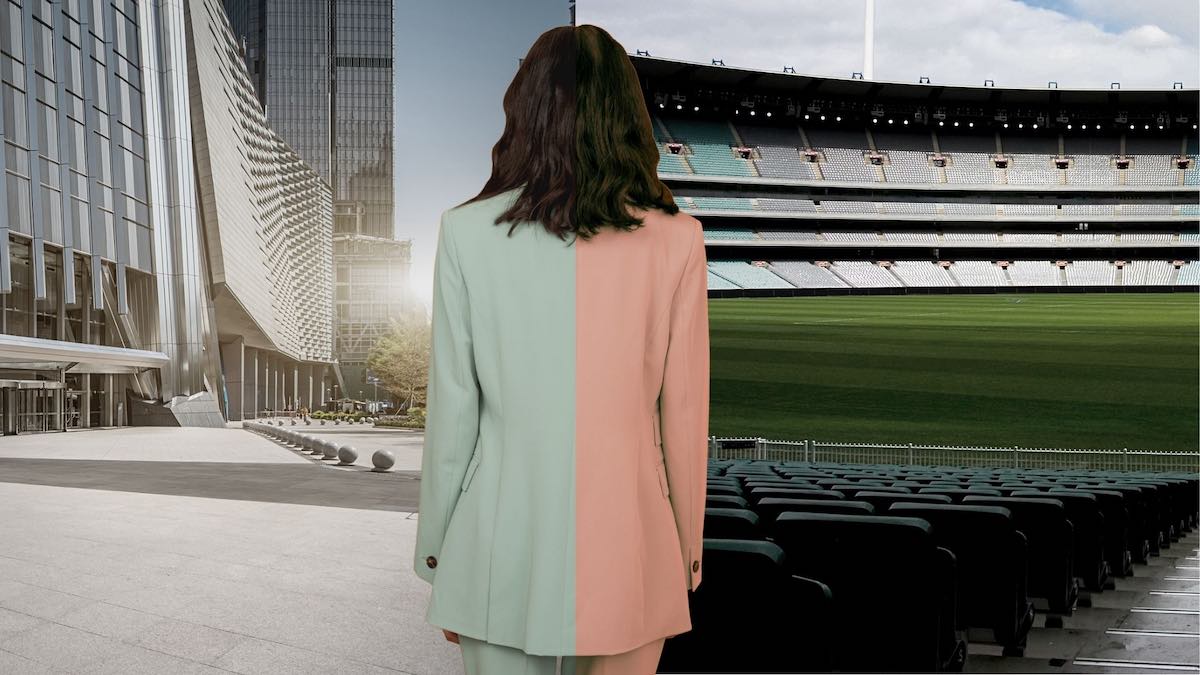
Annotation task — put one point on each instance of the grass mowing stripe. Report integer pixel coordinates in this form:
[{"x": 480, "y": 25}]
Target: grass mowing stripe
[{"x": 1087, "y": 370}]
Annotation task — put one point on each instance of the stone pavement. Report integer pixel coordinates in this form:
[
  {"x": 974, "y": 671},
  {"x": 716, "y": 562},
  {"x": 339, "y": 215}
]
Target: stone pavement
[{"x": 206, "y": 550}]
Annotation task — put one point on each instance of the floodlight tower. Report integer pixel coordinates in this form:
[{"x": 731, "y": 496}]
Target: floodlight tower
[{"x": 869, "y": 41}]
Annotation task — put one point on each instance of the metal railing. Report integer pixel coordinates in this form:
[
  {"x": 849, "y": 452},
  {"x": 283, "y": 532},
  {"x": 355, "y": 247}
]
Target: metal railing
[{"x": 1124, "y": 459}]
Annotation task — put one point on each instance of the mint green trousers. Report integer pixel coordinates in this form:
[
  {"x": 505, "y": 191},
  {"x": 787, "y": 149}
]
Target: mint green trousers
[{"x": 484, "y": 658}]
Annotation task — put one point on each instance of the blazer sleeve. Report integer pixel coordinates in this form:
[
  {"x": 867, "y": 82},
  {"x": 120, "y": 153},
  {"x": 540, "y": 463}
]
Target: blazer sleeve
[
  {"x": 452, "y": 412},
  {"x": 683, "y": 405}
]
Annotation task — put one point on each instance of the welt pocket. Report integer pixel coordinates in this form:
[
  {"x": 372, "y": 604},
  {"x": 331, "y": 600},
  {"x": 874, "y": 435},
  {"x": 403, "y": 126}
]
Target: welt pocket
[
  {"x": 661, "y": 470},
  {"x": 472, "y": 467}
]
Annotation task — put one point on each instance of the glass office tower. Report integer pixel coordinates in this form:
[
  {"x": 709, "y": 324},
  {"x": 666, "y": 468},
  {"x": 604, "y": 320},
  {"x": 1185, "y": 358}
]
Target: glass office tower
[{"x": 323, "y": 71}]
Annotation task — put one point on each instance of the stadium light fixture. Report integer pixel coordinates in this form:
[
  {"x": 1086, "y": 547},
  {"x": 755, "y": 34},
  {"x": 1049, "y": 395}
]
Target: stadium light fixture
[
  {"x": 1006, "y": 125},
  {"x": 1097, "y": 126},
  {"x": 856, "y": 76},
  {"x": 718, "y": 62},
  {"x": 1147, "y": 126},
  {"x": 789, "y": 69},
  {"x": 1069, "y": 126},
  {"x": 890, "y": 120},
  {"x": 662, "y": 105},
  {"x": 1177, "y": 85},
  {"x": 906, "y": 122},
  {"x": 696, "y": 108},
  {"x": 768, "y": 113},
  {"x": 1021, "y": 125},
  {"x": 822, "y": 118},
  {"x": 839, "y": 119},
  {"x": 805, "y": 115},
  {"x": 874, "y": 120},
  {"x": 1160, "y": 127},
  {"x": 752, "y": 113},
  {"x": 923, "y": 80},
  {"x": 1114, "y": 85},
  {"x": 1052, "y": 85},
  {"x": 678, "y": 106},
  {"x": 1035, "y": 126},
  {"x": 1130, "y": 126},
  {"x": 941, "y": 123},
  {"x": 956, "y": 123},
  {"x": 989, "y": 83},
  {"x": 971, "y": 124}
]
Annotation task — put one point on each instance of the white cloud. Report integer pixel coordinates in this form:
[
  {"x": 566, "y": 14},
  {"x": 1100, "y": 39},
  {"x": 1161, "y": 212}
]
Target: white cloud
[{"x": 961, "y": 42}]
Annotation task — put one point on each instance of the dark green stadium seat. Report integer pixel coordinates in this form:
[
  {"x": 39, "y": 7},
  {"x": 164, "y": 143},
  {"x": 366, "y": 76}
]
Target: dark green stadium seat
[
  {"x": 957, "y": 494},
  {"x": 732, "y": 524},
  {"x": 726, "y": 502},
  {"x": 768, "y": 509},
  {"x": 1051, "y": 539},
  {"x": 1083, "y": 510},
  {"x": 893, "y": 589},
  {"x": 723, "y": 490},
  {"x": 1116, "y": 527},
  {"x": 1141, "y": 527},
  {"x": 749, "y": 615},
  {"x": 760, "y": 493},
  {"x": 993, "y": 559},
  {"x": 883, "y": 500}
]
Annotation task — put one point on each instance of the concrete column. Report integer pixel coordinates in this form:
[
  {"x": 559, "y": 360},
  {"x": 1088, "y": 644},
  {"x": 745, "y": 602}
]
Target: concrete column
[
  {"x": 309, "y": 397},
  {"x": 85, "y": 401},
  {"x": 233, "y": 358},
  {"x": 108, "y": 402}
]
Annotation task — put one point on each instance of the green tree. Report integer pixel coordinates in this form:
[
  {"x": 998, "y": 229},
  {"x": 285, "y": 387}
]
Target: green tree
[{"x": 401, "y": 359}]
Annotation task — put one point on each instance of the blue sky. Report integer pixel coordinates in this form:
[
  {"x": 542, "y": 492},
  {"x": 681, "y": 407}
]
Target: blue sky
[{"x": 453, "y": 62}]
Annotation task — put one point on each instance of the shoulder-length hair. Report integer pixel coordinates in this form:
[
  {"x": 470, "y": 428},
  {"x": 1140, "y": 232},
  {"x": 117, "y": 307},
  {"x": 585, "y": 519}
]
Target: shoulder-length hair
[{"x": 577, "y": 140}]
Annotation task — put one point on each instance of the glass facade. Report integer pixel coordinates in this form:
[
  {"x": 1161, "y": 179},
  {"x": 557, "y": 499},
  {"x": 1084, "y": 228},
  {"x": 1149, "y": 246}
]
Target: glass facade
[
  {"x": 160, "y": 245},
  {"x": 322, "y": 70}
]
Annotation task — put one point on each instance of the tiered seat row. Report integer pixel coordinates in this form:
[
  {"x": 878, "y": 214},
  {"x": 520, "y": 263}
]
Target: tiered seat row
[
  {"x": 1051, "y": 211},
  {"x": 1065, "y": 239},
  {"x": 912, "y": 556},
  {"x": 970, "y": 273}
]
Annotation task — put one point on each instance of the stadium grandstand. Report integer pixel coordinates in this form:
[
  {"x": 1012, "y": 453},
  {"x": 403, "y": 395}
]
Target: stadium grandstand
[
  {"x": 823, "y": 186},
  {"x": 812, "y": 185}
]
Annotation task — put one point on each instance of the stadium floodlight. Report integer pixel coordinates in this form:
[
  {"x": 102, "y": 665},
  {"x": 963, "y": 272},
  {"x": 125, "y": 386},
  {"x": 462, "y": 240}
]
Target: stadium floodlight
[
  {"x": 1069, "y": 126},
  {"x": 1131, "y": 126},
  {"x": 971, "y": 124},
  {"x": 890, "y": 120},
  {"x": 1035, "y": 125},
  {"x": 1021, "y": 125},
  {"x": 956, "y": 123},
  {"x": 696, "y": 108},
  {"x": 1147, "y": 126},
  {"x": 805, "y": 115},
  {"x": 678, "y": 107},
  {"x": 822, "y": 118},
  {"x": 839, "y": 119},
  {"x": 906, "y": 122},
  {"x": 1006, "y": 125},
  {"x": 768, "y": 113},
  {"x": 874, "y": 120},
  {"x": 662, "y": 105},
  {"x": 941, "y": 123},
  {"x": 752, "y": 113}
]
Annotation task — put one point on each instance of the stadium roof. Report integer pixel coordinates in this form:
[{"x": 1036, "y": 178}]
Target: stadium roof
[{"x": 811, "y": 86}]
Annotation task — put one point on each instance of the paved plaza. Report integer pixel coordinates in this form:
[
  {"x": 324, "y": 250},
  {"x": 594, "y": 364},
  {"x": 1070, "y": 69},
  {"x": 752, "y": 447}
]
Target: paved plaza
[{"x": 210, "y": 550}]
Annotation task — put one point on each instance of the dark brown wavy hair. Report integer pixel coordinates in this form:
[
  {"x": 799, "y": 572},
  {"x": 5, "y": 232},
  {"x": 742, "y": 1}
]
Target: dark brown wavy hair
[{"x": 577, "y": 138}]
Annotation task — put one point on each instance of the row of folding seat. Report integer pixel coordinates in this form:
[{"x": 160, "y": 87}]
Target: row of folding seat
[{"x": 927, "y": 553}]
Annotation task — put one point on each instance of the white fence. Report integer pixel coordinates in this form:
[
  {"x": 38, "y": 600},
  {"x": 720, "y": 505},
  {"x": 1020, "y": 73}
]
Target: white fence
[{"x": 748, "y": 448}]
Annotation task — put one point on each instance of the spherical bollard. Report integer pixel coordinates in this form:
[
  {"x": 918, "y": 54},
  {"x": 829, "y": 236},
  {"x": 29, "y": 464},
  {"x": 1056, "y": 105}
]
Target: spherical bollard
[
  {"x": 322, "y": 422},
  {"x": 331, "y": 450},
  {"x": 383, "y": 460},
  {"x": 347, "y": 455},
  {"x": 293, "y": 421},
  {"x": 324, "y": 448}
]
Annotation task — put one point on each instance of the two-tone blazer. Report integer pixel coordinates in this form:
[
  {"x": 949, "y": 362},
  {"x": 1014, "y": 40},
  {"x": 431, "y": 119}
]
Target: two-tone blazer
[{"x": 566, "y": 440}]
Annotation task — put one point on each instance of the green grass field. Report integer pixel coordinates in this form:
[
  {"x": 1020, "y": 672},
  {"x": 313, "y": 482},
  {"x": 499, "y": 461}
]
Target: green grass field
[{"x": 1034, "y": 370}]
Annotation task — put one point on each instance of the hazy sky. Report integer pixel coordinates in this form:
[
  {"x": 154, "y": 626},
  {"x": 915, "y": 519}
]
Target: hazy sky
[
  {"x": 453, "y": 62},
  {"x": 455, "y": 59}
]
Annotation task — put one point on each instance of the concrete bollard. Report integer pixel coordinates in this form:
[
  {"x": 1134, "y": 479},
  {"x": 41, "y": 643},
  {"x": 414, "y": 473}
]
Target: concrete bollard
[
  {"x": 347, "y": 455},
  {"x": 331, "y": 450},
  {"x": 383, "y": 460}
]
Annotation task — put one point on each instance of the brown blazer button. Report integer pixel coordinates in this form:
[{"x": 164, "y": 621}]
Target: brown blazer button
[
  {"x": 431, "y": 562},
  {"x": 695, "y": 565}
]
